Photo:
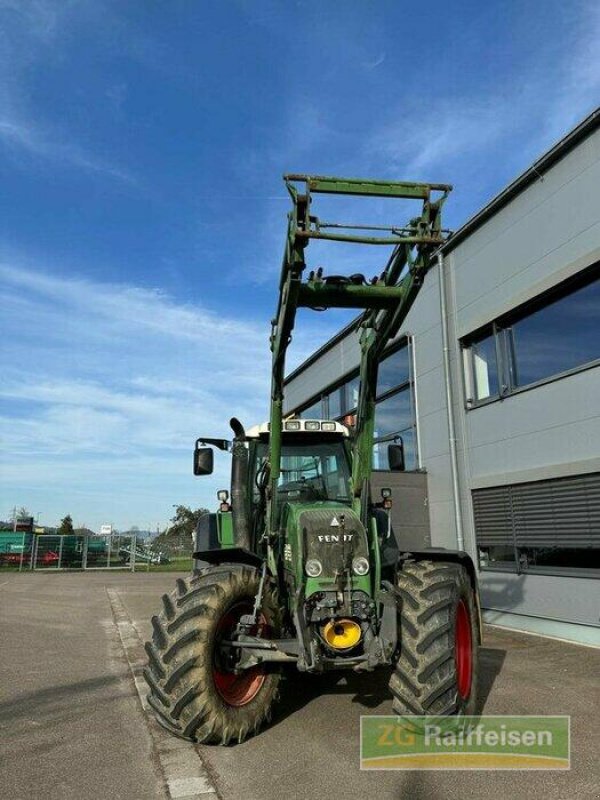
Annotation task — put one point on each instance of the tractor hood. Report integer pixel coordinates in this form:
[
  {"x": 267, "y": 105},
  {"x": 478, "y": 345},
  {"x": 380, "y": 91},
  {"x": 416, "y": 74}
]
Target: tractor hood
[{"x": 329, "y": 533}]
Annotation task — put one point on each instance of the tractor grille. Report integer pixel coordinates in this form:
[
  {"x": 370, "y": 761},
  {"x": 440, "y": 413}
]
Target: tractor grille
[{"x": 334, "y": 545}]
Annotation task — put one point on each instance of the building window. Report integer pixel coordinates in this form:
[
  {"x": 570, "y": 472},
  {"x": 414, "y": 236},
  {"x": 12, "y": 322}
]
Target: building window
[
  {"x": 394, "y": 421},
  {"x": 558, "y": 337},
  {"x": 550, "y": 526},
  {"x": 314, "y": 411},
  {"x": 484, "y": 362},
  {"x": 547, "y": 338},
  {"x": 350, "y": 394},
  {"x": 394, "y": 414},
  {"x": 393, "y": 371},
  {"x": 334, "y": 404}
]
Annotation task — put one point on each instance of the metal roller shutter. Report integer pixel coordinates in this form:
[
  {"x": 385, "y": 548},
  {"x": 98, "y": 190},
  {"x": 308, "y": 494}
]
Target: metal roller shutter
[
  {"x": 493, "y": 516},
  {"x": 561, "y": 512}
]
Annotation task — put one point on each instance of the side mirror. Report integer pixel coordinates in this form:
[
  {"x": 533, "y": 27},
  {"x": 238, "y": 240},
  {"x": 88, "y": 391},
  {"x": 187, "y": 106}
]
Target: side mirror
[
  {"x": 203, "y": 461},
  {"x": 396, "y": 457}
]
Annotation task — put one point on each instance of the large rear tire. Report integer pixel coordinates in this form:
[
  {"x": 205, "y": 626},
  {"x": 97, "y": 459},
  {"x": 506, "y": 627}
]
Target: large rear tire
[
  {"x": 437, "y": 668},
  {"x": 194, "y": 690}
]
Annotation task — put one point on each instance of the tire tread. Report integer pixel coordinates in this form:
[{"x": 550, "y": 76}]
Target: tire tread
[
  {"x": 182, "y": 694},
  {"x": 424, "y": 678}
]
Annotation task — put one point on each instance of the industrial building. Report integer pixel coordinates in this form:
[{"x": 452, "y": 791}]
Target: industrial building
[{"x": 493, "y": 386}]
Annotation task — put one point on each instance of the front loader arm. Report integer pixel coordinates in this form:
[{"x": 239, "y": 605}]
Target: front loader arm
[{"x": 385, "y": 300}]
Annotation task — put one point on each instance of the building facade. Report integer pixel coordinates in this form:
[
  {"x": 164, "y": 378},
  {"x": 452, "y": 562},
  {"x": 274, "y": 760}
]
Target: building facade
[{"x": 493, "y": 386}]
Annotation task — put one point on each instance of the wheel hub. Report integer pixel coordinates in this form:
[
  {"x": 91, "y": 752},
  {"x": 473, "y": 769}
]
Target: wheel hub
[{"x": 236, "y": 689}]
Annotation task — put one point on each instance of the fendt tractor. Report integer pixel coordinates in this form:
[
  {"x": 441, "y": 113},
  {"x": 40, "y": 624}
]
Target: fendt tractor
[{"x": 300, "y": 566}]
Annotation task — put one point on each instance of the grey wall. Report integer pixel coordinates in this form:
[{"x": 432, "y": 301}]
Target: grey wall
[
  {"x": 410, "y": 509},
  {"x": 548, "y": 596},
  {"x": 549, "y": 232},
  {"x": 343, "y": 357}
]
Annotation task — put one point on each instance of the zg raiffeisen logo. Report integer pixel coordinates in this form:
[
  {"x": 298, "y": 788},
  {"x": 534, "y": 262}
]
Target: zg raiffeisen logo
[{"x": 486, "y": 742}]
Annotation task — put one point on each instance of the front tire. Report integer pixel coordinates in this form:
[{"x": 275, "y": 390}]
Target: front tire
[
  {"x": 437, "y": 668},
  {"x": 194, "y": 691}
]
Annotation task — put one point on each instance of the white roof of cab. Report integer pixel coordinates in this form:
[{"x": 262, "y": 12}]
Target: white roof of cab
[{"x": 263, "y": 429}]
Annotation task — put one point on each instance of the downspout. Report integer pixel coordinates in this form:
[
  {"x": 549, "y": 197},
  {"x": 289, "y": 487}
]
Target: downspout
[
  {"x": 415, "y": 396},
  {"x": 449, "y": 405}
]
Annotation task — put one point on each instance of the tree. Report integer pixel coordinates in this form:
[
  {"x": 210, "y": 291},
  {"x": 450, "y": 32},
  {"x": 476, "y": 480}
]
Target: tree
[
  {"x": 178, "y": 535},
  {"x": 66, "y": 526}
]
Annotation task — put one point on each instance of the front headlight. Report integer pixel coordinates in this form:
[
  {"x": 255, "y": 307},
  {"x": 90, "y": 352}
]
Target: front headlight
[
  {"x": 360, "y": 566},
  {"x": 313, "y": 567}
]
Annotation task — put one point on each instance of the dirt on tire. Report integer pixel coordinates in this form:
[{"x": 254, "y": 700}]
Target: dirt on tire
[
  {"x": 189, "y": 686},
  {"x": 436, "y": 671}
]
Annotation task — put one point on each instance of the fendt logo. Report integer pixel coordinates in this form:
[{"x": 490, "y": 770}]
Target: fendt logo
[{"x": 332, "y": 538}]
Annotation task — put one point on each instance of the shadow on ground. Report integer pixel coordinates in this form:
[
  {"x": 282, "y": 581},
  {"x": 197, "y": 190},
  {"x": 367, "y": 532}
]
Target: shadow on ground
[
  {"x": 491, "y": 660},
  {"x": 369, "y": 690},
  {"x": 52, "y": 704}
]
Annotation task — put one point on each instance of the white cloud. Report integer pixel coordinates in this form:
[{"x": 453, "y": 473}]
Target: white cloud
[
  {"x": 517, "y": 118},
  {"x": 454, "y": 129},
  {"x": 104, "y": 372},
  {"x": 54, "y": 147},
  {"x": 107, "y": 386},
  {"x": 40, "y": 17},
  {"x": 376, "y": 62},
  {"x": 577, "y": 89},
  {"x": 30, "y": 29}
]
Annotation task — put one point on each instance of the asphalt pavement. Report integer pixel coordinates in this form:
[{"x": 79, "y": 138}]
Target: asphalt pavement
[{"x": 72, "y": 725}]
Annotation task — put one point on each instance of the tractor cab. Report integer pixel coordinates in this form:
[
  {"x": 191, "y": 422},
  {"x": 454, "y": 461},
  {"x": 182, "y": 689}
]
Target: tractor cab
[
  {"x": 315, "y": 462},
  {"x": 315, "y": 468}
]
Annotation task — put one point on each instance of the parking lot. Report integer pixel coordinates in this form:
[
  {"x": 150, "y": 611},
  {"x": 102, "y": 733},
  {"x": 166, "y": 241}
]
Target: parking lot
[{"x": 72, "y": 723}]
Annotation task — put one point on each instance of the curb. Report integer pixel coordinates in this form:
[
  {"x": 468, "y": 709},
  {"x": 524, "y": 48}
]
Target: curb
[{"x": 185, "y": 774}]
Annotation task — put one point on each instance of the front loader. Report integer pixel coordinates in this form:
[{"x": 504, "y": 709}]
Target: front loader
[{"x": 300, "y": 567}]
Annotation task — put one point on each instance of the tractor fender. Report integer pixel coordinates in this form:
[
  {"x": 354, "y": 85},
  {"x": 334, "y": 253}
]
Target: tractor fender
[
  {"x": 458, "y": 557},
  {"x": 229, "y": 555},
  {"x": 205, "y": 536}
]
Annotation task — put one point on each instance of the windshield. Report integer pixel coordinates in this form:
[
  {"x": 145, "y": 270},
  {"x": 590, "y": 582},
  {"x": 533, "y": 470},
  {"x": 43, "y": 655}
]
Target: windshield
[{"x": 312, "y": 471}]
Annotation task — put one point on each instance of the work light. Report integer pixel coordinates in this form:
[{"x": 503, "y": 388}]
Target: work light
[
  {"x": 313, "y": 568},
  {"x": 360, "y": 565}
]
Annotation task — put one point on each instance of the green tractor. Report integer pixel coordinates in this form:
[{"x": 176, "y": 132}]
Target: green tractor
[{"x": 300, "y": 567}]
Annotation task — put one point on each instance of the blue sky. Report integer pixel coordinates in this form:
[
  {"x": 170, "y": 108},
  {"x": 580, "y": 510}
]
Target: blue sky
[{"x": 143, "y": 213}]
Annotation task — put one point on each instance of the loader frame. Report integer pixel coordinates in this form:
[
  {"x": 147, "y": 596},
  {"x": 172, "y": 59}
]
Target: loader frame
[{"x": 385, "y": 302}]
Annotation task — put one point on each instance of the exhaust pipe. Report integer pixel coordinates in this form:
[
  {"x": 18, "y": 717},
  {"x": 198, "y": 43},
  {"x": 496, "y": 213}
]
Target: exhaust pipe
[{"x": 239, "y": 485}]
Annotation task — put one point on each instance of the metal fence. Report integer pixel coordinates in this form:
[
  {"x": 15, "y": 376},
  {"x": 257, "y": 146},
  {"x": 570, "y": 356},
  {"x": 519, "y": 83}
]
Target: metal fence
[
  {"x": 27, "y": 551},
  {"x": 176, "y": 547}
]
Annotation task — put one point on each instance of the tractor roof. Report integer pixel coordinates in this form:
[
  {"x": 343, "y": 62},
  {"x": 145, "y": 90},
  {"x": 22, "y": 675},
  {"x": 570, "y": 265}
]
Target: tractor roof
[{"x": 304, "y": 426}]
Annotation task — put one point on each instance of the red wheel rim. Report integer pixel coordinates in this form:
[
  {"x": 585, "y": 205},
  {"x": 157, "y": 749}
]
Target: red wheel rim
[
  {"x": 463, "y": 650},
  {"x": 237, "y": 690}
]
